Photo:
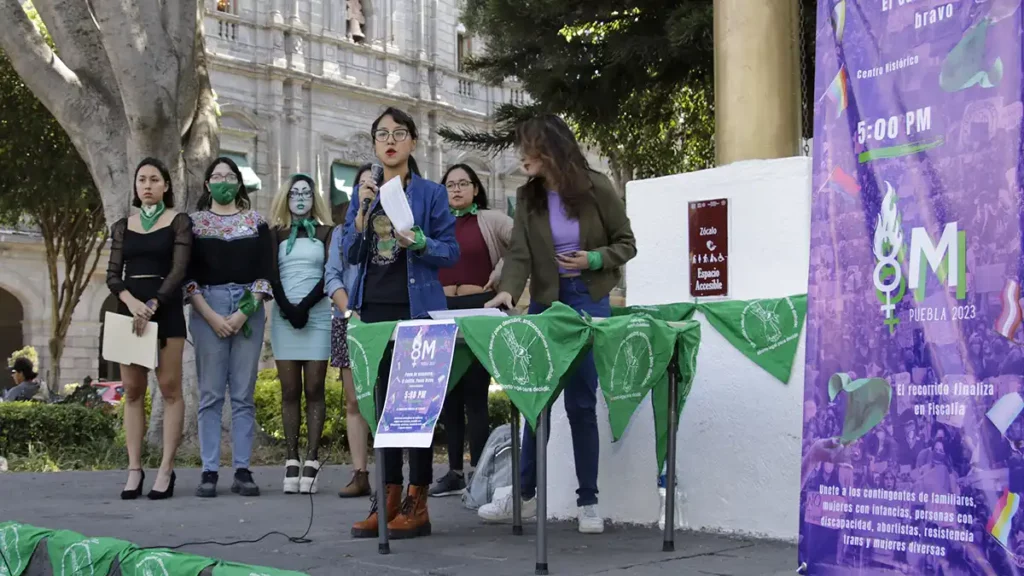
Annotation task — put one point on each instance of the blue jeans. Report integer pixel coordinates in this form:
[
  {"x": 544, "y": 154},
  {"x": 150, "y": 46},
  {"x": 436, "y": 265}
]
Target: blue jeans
[
  {"x": 580, "y": 396},
  {"x": 231, "y": 365}
]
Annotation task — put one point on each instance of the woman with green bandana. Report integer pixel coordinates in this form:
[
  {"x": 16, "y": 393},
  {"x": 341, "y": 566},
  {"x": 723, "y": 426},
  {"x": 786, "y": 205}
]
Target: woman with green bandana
[
  {"x": 149, "y": 255},
  {"x": 227, "y": 286},
  {"x": 483, "y": 237},
  {"x": 300, "y": 332}
]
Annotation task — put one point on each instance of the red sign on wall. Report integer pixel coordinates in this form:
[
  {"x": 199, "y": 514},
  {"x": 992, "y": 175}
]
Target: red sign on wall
[{"x": 709, "y": 248}]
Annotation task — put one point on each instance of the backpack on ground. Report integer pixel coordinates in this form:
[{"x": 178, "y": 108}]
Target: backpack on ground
[{"x": 493, "y": 471}]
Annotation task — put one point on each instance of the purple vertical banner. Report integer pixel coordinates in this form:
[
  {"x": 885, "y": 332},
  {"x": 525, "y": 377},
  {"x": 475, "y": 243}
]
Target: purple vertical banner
[
  {"x": 912, "y": 410},
  {"x": 417, "y": 384}
]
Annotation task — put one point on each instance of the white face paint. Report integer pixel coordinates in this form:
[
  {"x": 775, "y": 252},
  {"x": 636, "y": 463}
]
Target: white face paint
[{"x": 300, "y": 198}]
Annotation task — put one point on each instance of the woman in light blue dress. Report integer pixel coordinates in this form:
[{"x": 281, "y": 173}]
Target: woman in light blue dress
[{"x": 300, "y": 332}]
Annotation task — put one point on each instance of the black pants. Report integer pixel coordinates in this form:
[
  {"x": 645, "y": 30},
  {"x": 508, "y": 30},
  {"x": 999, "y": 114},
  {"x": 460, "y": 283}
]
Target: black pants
[
  {"x": 421, "y": 460},
  {"x": 468, "y": 401}
]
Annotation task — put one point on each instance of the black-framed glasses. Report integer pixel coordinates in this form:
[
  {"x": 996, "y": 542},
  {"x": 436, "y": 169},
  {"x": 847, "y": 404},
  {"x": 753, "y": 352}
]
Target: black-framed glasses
[
  {"x": 229, "y": 178},
  {"x": 382, "y": 135},
  {"x": 464, "y": 185},
  {"x": 300, "y": 194}
]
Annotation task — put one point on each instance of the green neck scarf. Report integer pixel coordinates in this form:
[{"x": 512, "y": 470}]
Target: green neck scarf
[
  {"x": 307, "y": 223},
  {"x": 148, "y": 215},
  {"x": 458, "y": 213}
]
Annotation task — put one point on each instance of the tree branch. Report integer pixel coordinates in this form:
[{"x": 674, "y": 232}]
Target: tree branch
[
  {"x": 46, "y": 75},
  {"x": 78, "y": 38}
]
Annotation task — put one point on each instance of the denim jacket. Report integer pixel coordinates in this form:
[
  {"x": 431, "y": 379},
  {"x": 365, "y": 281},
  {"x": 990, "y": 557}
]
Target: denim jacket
[{"x": 429, "y": 203}]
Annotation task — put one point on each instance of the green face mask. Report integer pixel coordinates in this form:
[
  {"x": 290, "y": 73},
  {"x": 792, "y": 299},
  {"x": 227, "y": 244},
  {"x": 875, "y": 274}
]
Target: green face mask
[{"x": 223, "y": 192}]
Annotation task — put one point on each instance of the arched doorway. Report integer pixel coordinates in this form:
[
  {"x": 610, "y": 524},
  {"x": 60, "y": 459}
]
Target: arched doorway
[
  {"x": 11, "y": 334},
  {"x": 110, "y": 371}
]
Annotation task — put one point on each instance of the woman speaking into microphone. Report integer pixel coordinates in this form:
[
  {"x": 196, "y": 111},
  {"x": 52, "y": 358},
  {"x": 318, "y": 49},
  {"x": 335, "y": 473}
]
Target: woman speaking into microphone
[{"x": 398, "y": 280}]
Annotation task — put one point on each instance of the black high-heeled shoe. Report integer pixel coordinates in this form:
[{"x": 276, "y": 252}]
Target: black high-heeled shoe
[
  {"x": 155, "y": 495},
  {"x": 133, "y": 494}
]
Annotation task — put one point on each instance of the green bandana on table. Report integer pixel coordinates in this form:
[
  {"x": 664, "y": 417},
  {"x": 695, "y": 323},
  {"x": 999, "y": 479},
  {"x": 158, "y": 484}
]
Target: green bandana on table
[
  {"x": 688, "y": 343},
  {"x": 461, "y": 361},
  {"x": 248, "y": 305},
  {"x": 459, "y": 212},
  {"x": 148, "y": 215},
  {"x": 528, "y": 355},
  {"x": 307, "y": 223},
  {"x": 159, "y": 562},
  {"x": 366, "y": 345},
  {"x": 867, "y": 403},
  {"x": 231, "y": 569},
  {"x": 18, "y": 542},
  {"x": 678, "y": 312},
  {"x": 766, "y": 331},
  {"x": 632, "y": 354},
  {"x": 72, "y": 553}
]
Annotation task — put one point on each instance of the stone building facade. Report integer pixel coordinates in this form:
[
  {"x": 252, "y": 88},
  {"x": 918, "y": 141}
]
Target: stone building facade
[{"x": 298, "y": 84}]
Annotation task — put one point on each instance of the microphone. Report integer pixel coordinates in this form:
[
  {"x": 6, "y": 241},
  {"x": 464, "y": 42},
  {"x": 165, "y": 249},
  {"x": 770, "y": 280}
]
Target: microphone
[{"x": 377, "y": 173}]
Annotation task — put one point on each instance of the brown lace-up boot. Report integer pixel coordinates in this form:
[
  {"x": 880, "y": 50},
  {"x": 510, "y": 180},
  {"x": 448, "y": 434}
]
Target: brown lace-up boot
[
  {"x": 414, "y": 521},
  {"x": 368, "y": 528},
  {"x": 358, "y": 487}
]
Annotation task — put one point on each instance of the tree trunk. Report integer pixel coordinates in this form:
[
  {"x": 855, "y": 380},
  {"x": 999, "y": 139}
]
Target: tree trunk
[{"x": 130, "y": 81}]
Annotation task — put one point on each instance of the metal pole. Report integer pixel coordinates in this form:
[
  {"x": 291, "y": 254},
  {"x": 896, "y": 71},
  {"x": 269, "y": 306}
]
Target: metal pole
[
  {"x": 542, "y": 492},
  {"x": 517, "y": 487},
  {"x": 383, "y": 546},
  {"x": 669, "y": 544}
]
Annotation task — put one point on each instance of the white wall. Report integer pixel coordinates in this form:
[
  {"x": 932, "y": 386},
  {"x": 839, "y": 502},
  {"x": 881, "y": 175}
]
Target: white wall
[{"x": 739, "y": 435}]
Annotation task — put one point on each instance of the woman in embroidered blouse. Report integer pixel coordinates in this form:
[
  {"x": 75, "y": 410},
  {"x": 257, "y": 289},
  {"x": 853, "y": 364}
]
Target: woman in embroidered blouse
[
  {"x": 300, "y": 333},
  {"x": 398, "y": 280},
  {"x": 149, "y": 256},
  {"x": 483, "y": 237},
  {"x": 227, "y": 286}
]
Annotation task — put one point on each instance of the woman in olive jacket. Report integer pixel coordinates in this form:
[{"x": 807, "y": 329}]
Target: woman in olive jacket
[{"x": 570, "y": 237}]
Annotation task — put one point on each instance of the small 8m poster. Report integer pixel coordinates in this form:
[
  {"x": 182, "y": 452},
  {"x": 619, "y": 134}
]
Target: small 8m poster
[
  {"x": 709, "y": 248},
  {"x": 913, "y": 428},
  {"x": 418, "y": 382}
]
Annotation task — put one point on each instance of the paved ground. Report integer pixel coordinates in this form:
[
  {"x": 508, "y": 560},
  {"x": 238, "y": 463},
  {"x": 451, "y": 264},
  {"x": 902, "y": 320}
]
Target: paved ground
[{"x": 87, "y": 502}]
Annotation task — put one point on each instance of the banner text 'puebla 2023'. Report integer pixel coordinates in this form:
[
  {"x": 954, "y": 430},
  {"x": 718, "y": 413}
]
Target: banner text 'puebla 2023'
[{"x": 913, "y": 432}]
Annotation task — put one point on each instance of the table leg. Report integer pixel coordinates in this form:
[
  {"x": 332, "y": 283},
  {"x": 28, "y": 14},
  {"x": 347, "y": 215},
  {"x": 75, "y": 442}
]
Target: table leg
[
  {"x": 517, "y": 487},
  {"x": 669, "y": 544},
  {"x": 383, "y": 546},
  {"x": 542, "y": 492}
]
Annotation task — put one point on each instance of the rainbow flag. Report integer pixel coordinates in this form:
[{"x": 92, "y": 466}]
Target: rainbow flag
[
  {"x": 1010, "y": 317},
  {"x": 1001, "y": 522},
  {"x": 837, "y": 91},
  {"x": 839, "y": 20},
  {"x": 842, "y": 181}
]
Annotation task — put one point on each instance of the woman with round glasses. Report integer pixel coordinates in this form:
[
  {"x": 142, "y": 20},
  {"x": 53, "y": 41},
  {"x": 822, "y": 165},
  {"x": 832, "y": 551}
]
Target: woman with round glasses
[
  {"x": 398, "y": 280},
  {"x": 483, "y": 237},
  {"x": 300, "y": 333},
  {"x": 227, "y": 287}
]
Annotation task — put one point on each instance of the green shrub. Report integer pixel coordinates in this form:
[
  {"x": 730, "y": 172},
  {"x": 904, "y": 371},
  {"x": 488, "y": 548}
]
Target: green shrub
[
  {"x": 52, "y": 426},
  {"x": 499, "y": 409},
  {"x": 268, "y": 409}
]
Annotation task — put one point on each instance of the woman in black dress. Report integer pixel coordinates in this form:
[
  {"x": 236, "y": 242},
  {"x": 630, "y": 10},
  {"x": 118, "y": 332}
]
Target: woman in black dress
[{"x": 149, "y": 256}]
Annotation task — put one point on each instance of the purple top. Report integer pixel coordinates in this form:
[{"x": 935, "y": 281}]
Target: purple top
[{"x": 565, "y": 231}]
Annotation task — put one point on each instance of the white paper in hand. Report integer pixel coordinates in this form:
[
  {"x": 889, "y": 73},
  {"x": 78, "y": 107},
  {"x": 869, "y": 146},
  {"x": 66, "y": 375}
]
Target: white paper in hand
[{"x": 396, "y": 205}]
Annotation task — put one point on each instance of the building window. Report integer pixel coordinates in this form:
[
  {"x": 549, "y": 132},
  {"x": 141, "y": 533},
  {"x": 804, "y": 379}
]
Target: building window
[
  {"x": 464, "y": 50},
  {"x": 227, "y": 6}
]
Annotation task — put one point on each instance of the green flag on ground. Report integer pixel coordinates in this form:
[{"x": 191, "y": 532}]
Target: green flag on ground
[
  {"x": 366, "y": 345},
  {"x": 528, "y": 355},
  {"x": 766, "y": 331},
  {"x": 688, "y": 344},
  {"x": 677, "y": 312},
  {"x": 867, "y": 403},
  {"x": 632, "y": 354},
  {"x": 157, "y": 562},
  {"x": 231, "y": 569},
  {"x": 18, "y": 542},
  {"x": 72, "y": 553}
]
